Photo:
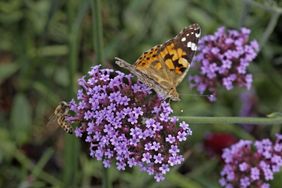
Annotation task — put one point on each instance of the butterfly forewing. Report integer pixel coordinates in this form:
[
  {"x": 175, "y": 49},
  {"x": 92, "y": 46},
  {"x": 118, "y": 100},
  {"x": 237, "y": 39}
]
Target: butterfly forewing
[
  {"x": 164, "y": 66},
  {"x": 178, "y": 53}
]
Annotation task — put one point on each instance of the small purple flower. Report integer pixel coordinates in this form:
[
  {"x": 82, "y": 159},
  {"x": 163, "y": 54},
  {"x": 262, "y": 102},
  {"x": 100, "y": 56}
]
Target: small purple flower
[
  {"x": 252, "y": 163},
  {"x": 245, "y": 182},
  {"x": 132, "y": 119},
  {"x": 150, "y": 123},
  {"x": 159, "y": 177},
  {"x": 146, "y": 157},
  {"x": 164, "y": 168},
  {"x": 106, "y": 163},
  {"x": 265, "y": 185},
  {"x": 174, "y": 150},
  {"x": 181, "y": 136},
  {"x": 223, "y": 60},
  {"x": 121, "y": 165},
  {"x": 155, "y": 146},
  {"x": 148, "y": 146},
  {"x": 136, "y": 132},
  {"x": 255, "y": 173},
  {"x": 158, "y": 158},
  {"x": 243, "y": 166},
  {"x": 125, "y": 125},
  {"x": 157, "y": 126},
  {"x": 170, "y": 139},
  {"x": 78, "y": 132}
]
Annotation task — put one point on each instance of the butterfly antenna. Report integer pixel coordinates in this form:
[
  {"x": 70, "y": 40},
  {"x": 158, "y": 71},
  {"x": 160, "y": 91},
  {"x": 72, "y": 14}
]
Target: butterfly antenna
[
  {"x": 197, "y": 95},
  {"x": 117, "y": 60},
  {"x": 168, "y": 100}
]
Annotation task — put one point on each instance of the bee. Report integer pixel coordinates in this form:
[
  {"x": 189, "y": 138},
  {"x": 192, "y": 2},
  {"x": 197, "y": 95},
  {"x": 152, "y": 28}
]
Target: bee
[{"x": 60, "y": 115}]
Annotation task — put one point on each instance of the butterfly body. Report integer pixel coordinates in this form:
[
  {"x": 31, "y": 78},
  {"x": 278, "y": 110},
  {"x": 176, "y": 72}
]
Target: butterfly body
[{"x": 164, "y": 66}]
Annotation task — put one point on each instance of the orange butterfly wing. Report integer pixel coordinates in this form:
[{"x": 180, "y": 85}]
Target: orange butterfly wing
[{"x": 168, "y": 63}]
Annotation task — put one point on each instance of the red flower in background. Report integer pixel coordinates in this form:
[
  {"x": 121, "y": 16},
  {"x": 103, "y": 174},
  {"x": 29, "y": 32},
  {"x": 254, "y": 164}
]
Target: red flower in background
[{"x": 214, "y": 143}]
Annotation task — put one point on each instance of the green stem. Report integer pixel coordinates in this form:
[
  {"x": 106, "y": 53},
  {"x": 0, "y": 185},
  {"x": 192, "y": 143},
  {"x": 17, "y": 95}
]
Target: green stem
[
  {"x": 270, "y": 27},
  {"x": 244, "y": 15},
  {"x": 231, "y": 120},
  {"x": 265, "y": 7},
  {"x": 98, "y": 47},
  {"x": 26, "y": 163},
  {"x": 276, "y": 12},
  {"x": 106, "y": 178},
  {"x": 71, "y": 149},
  {"x": 97, "y": 30}
]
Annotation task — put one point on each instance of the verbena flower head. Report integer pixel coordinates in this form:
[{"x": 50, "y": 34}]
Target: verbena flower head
[
  {"x": 251, "y": 164},
  {"x": 223, "y": 60},
  {"x": 125, "y": 125}
]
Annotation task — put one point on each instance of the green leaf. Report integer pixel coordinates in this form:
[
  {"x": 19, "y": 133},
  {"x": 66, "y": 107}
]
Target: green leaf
[
  {"x": 7, "y": 145},
  {"x": 20, "y": 118},
  {"x": 236, "y": 130},
  {"x": 275, "y": 115},
  {"x": 6, "y": 70},
  {"x": 182, "y": 181},
  {"x": 277, "y": 181}
]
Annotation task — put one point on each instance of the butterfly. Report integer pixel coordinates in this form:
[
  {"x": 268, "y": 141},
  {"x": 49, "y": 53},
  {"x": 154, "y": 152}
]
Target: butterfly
[
  {"x": 164, "y": 66},
  {"x": 60, "y": 114}
]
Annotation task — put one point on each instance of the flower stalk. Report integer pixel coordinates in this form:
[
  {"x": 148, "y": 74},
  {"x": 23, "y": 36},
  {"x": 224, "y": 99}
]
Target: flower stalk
[
  {"x": 231, "y": 120},
  {"x": 71, "y": 149},
  {"x": 97, "y": 31}
]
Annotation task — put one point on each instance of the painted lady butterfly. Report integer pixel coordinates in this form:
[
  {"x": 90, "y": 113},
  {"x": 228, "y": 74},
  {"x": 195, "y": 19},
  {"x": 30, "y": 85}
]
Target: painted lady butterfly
[{"x": 164, "y": 66}]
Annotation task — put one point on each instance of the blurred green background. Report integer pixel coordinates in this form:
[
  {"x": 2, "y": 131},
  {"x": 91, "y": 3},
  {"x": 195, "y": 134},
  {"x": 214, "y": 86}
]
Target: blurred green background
[{"x": 46, "y": 44}]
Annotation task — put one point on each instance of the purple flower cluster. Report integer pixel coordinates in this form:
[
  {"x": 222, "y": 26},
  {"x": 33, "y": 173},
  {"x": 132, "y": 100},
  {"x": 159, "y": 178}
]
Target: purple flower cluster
[
  {"x": 249, "y": 164},
  {"x": 223, "y": 60},
  {"x": 125, "y": 125}
]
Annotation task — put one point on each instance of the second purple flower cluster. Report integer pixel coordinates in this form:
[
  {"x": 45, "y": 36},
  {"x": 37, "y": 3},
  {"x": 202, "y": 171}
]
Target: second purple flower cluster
[{"x": 223, "y": 60}]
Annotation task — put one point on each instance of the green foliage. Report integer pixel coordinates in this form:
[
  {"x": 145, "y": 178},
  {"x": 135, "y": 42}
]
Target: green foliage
[
  {"x": 21, "y": 119},
  {"x": 46, "y": 45}
]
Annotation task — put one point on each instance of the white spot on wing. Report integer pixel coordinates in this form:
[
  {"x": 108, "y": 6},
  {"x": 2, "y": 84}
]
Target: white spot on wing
[
  {"x": 198, "y": 34},
  {"x": 183, "y": 39},
  {"x": 192, "y": 45}
]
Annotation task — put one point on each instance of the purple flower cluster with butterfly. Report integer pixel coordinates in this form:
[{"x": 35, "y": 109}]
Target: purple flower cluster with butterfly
[
  {"x": 251, "y": 164},
  {"x": 125, "y": 125},
  {"x": 223, "y": 60}
]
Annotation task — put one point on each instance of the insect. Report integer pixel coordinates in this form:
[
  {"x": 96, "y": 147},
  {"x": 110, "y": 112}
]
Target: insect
[
  {"x": 60, "y": 114},
  {"x": 164, "y": 66}
]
